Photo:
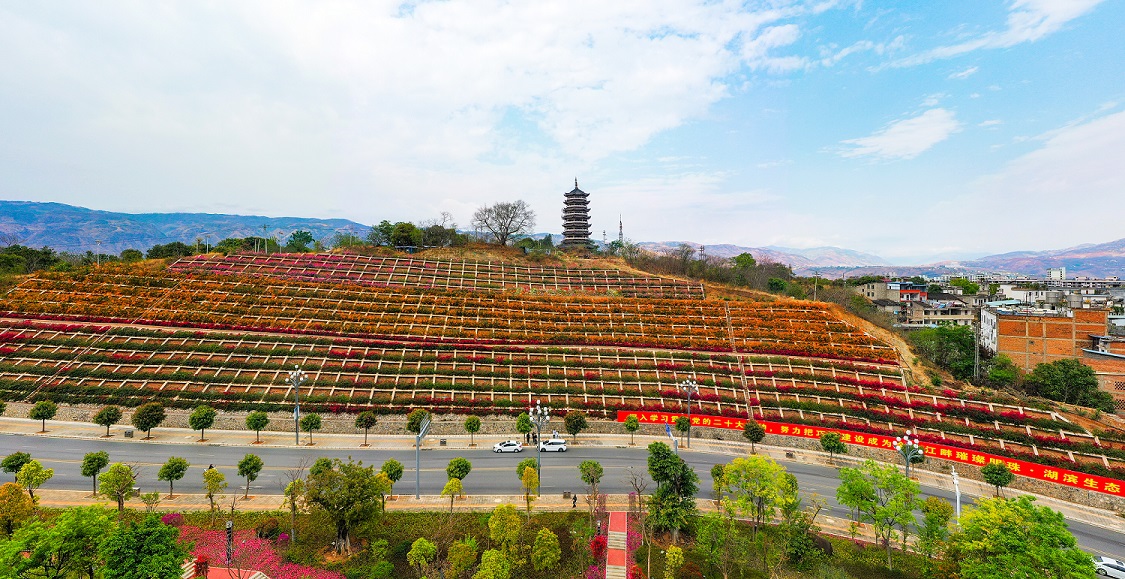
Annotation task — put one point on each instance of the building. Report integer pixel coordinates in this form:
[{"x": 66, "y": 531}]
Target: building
[
  {"x": 898, "y": 291},
  {"x": 1056, "y": 274},
  {"x": 938, "y": 310},
  {"x": 576, "y": 219},
  {"x": 1031, "y": 336}
]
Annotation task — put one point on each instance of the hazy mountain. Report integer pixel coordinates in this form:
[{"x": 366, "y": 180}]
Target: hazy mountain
[
  {"x": 803, "y": 261},
  {"x": 77, "y": 229}
]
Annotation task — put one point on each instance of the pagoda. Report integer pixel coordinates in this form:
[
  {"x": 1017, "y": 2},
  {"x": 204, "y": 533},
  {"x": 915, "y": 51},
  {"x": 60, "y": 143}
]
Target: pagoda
[{"x": 576, "y": 219}]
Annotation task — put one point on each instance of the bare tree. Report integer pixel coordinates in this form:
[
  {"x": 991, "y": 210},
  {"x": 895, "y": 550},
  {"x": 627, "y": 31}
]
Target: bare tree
[{"x": 503, "y": 220}]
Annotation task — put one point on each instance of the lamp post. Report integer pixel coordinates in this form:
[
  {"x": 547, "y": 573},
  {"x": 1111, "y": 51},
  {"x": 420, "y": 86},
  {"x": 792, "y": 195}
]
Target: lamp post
[
  {"x": 909, "y": 449},
  {"x": 688, "y": 387},
  {"x": 539, "y": 415},
  {"x": 296, "y": 378},
  {"x": 957, "y": 492}
]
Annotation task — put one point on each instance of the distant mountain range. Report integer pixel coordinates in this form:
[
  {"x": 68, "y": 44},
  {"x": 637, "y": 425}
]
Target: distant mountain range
[{"x": 77, "y": 230}]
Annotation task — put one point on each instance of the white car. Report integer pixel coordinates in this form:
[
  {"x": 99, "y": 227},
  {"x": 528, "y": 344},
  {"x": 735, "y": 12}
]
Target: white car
[
  {"x": 1107, "y": 567},
  {"x": 508, "y": 446},
  {"x": 553, "y": 445}
]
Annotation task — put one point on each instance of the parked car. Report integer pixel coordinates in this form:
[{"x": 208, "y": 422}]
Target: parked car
[
  {"x": 553, "y": 445},
  {"x": 508, "y": 446},
  {"x": 1107, "y": 567}
]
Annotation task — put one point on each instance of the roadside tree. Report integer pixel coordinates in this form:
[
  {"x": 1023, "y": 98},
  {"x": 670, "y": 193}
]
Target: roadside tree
[
  {"x": 882, "y": 496},
  {"x": 92, "y": 464},
  {"x": 754, "y": 432},
  {"x": 107, "y": 417},
  {"x": 171, "y": 471},
  {"x": 366, "y": 420},
  {"x": 575, "y": 422},
  {"x": 248, "y": 468},
  {"x": 831, "y": 443},
  {"x": 202, "y": 418},
  {"x": 257, "y": 421},
  {"x": 632, "y": 425},
  {"x": 472, "y": 426},
  {"x": 148, "y": 416},
  {"x": 997, "y": 475},
  {"x": 119, "y": 484},
  {"x": 33, "y": 476},
  {"x": 43, "y": 411},
  {"x": 14, "y": 462},
  {"x": 309, "y": 423}
]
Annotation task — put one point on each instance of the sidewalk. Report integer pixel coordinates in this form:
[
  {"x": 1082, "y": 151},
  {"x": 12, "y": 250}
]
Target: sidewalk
[{"x": 275, "y": 439}]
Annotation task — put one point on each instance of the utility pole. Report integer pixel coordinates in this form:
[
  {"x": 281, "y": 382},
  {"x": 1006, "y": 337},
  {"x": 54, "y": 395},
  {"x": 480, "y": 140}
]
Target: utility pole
[
  {"x": 296, "y": 378},
  {"x": 98, "y": 252},
  {"x": 816, "y": 280}
]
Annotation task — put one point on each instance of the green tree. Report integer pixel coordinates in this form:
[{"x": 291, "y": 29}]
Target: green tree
[
  {"x": 934, "y": 531},
  {"x": 381, "y": 233},
  {"x": 148, "y": 416},
  {"x": 43, "y": 411},
  {"x": 33, "y": 476},
  {"x": 545, "y": 551},
  {"x": 717, "y": 481},
  {"x": 15, "y": 507},
  {"x": 882, "y": 496},
  {"x": 472, "y": 426},
  {"x": 92, "y": 464},
  {"x": 493, "y": 565},
  {"x": 950, "y": 347},
  {"x": 202, "y": 418},
  {"x": 348, "y": 492},
  {"x": 14, "y": 462},
  {"x": 1015, "y": 538},
  {"x": 718, "y": 542},
  {"x": 406, "y": 235},
  {"x": 384, "y": 488},
  {"x": 968, "y": 288},
  {"x": 131, "y": 255},
  {"x": 776, "y": 285},
  {"x": 529, "y": 481},
  {"x": 214, "y": 483},
  {"x": 673, "y": 560},
  {"x": 299, "y": 241},
  {"x": 421, "y": 554},
  {"x": 393, "y": 469},
  {"x": 997, "y": 474},
  {"x": 452, "y": 489},
  {"x": 754, "y": 432},
  {"x": 682, "y": 425},
  {"x": 257, "y": 421},
  {"x": 415, "y": 419},
  {"x": 171, "y": 471},
  {"x": 504, "y": 526},
  {"x": 309, "y": 423},
  {"x": 524, "y": 465},
  {"x": 753, "y": 485},
  {"x": 459, "y": 468},
  {"x": 118, "y": 483},
  {"x": 67, "y": 548},
  {"x": 366, "y": 420},
  {"x": 107, "y": 417},
  {"x": 591, "y": 472},
  {"x": 523, "y": 423},
  {"x": 462, "y": 556},
  {"x": 1068, "y": 381},
  {"x": 632, "y": 425},
  {"x": 575, "y": 422},
  {"x": 142, "y": 551},
  {"x": 248, "y": 468},
  {"x": 672, "y": 504},
  {"x": 831, "y": 443},
  {"x": 1002, "y": 372}
]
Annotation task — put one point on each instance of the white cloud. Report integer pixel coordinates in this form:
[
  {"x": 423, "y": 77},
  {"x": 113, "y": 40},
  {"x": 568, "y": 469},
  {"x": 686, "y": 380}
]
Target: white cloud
[
  {"x": 906, "y": 138},
  {"x": 990, "y": 123},
  {"x": 267, "y": 103},
  {"x": 962, "y": 75},
  {"x": 1028, "y": 21}
]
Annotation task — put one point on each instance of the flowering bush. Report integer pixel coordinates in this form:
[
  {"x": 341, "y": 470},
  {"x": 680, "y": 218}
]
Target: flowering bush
[
  {"x": 250, "y": 552},
  {"x": 172, "y": 519}
]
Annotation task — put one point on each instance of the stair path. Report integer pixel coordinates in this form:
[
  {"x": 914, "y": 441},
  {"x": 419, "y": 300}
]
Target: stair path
[{"x": 616, "y": 555}]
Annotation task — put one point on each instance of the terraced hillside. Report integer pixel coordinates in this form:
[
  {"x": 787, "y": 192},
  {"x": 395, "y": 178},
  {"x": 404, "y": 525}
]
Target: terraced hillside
[
  {"x": 444, "y": 274},
  {"x": 128, "y": 334}
]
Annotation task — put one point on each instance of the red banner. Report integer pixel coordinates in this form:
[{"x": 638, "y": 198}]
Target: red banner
[{"x": 1041, "y": 472}]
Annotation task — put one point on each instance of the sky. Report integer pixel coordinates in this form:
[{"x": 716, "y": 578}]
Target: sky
[{"x": 916, "y": 131}]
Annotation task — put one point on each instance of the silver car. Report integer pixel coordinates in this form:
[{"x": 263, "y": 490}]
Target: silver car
[{"x": 1107, "y": 567}]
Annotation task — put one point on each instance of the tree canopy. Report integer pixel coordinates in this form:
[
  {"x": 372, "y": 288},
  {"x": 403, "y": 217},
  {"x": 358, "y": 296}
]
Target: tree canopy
[
  {"x": 1068, "y": 381},
  {"x": 504, "y": 220},
  {"x": 347, "y": 492}
]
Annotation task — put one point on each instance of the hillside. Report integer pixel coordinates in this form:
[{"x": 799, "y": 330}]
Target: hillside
[{"x": 801, "y": 260}]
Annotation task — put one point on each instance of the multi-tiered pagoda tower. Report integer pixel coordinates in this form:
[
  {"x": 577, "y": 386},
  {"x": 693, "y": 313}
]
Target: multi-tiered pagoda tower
[{"x": 576, "y": 219}]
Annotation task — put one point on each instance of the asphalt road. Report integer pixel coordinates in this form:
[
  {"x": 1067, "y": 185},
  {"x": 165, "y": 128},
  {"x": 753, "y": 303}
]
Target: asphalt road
[{"x": 492, "y": 473}]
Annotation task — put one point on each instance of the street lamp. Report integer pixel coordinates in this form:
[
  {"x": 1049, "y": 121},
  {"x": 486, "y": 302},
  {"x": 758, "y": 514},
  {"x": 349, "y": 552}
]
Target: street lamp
[
  {"x": 909, "y": 449},
  {"x": 957, "y": 492},
  {"x": 296, "y": 378},
  {"x": 688, "y": 387},
  {"x": 539, "y": 416}
]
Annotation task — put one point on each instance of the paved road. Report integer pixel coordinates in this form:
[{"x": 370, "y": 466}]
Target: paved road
[{"x": 492, "y": 473}]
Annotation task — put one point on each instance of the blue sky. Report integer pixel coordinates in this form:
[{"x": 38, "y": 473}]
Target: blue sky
[{"x": 916, "y": 131}]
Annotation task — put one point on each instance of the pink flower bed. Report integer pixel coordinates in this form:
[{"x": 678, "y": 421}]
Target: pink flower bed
[{"x": 250, "y": 552}]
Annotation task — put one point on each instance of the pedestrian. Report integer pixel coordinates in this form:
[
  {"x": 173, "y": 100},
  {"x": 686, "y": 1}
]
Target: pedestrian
[
  {"x": 211, "y": 467},
  {"x": 554, "y": 434},
  {"x": 574, "y": 501}
]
